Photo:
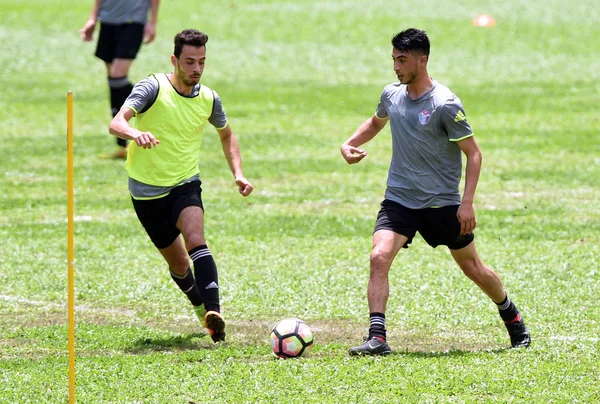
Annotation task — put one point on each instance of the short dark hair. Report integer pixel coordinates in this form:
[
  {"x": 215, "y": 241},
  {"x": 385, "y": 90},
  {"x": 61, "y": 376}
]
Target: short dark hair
[
  {"x": 191, "y": 37},
  {"x": 411, "y": 40}
]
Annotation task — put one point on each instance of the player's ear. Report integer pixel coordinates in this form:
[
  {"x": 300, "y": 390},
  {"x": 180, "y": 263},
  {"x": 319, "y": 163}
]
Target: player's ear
[{"x": 173, "y": 60}]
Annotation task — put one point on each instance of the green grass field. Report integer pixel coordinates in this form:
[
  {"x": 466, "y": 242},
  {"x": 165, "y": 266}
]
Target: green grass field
[{"x": 296, "y": 79}]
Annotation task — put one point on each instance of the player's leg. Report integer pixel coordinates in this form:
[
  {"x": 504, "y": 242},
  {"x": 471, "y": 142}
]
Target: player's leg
[
  {"x": 119, "y": 67},
  {"x": 394, "y": 229},
  {"x": 127, "y": 42},
  {"x": 120, "y": 87},
  {"x": 440, "y": 226},
  {"x": 191, "y": 224},
  {"x": 118, "y": 82},
  {"x": 386, "y": 245},
  {"x": 468, "y": 260},
  {"x": 179, "y": 266},
  {"x": 486, "y": 278},
  {"x": 154, "y": 216}
]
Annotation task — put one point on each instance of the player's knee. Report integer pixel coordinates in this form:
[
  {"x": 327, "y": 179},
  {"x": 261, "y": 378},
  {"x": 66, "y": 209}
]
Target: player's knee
[
  {"x": 180, "y": 265},
  {"x": 194, "y": 240},
  {"x": 118, "y": 69},
  {"x": 380, "y": 262}
]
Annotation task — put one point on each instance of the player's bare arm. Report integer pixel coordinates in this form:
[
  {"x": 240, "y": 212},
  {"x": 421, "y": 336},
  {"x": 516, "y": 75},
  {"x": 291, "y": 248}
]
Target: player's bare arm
[
  {"x": 466, "y": 212},
  {"x": 366, "y": 131},
  {"x": 120, "y": 127},
  {"x": 87, "y": 31},
  {"x": 231, "y": 150},
  {"x": 150, "y": 27}
]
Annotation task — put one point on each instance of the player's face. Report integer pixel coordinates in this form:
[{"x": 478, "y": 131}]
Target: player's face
[
  {"x": 190, "y": 64},
  {"x": 407, "y": 66}
]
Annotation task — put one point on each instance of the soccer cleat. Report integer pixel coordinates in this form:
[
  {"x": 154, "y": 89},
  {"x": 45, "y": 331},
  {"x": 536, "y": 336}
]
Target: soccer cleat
[
  {"x": 120, "y": 153},
  {"x": 215, "y": 324},
  {"x": 373, "y": 346},
  {"x": 200, "y": 312},
  {"x": 518, "y": 332}
]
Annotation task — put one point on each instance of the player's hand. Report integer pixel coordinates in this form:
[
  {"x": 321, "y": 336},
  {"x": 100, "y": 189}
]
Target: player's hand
[
  {"x": 352, "y": 154},
  {"x": 149, "y": 32},
  {"x": 466, "y": 217},
  {"x": 244, "y": 186},
  {"x": 87, "y": 31},
  {"x": 145, "y": 140}
]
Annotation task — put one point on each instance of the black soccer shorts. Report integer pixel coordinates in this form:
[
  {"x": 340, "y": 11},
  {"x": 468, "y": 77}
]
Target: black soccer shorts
[
  {"x": 119, "y": 41},
  {"x": 437, "y": 226},
  {"x": 159, "y": 216}
]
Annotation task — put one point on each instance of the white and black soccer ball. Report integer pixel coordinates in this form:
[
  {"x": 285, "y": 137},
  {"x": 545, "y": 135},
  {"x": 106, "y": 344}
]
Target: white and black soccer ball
[{"x": 291, "y": 338}]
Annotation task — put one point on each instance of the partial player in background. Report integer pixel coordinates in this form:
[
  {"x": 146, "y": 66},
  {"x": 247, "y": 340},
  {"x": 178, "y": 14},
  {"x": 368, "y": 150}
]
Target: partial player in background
[
  {"x": 124, "y": 24},
  {"x": 171, "y": 110},
  {"x": 429, "y": 135}
]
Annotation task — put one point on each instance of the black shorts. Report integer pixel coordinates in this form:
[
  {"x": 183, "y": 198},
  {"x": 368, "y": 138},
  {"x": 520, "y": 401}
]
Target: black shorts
[
  {"x": 119, "y": 41},
  {"x": 159, "y": 216},
  {"x": 438, "y": 226}
]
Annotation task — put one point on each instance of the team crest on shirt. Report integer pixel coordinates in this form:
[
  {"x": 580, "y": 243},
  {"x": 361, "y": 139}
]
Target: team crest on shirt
[{"x": 424, "y": 117}]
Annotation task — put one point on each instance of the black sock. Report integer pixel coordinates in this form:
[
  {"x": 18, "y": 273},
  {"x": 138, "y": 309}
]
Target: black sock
[
  {"x": 207, "y": 280},
  {"x": 187, "y": 284},
  {"x": 120, "y": 88},
  {"x": 377, "y": 325},
  {"x": 508, "y": 310}
]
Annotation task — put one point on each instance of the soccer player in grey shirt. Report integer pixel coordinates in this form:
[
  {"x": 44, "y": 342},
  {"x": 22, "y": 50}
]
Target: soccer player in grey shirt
[
  {"x": 124, "y": 24},
  {"x": 429, "y": 135}
]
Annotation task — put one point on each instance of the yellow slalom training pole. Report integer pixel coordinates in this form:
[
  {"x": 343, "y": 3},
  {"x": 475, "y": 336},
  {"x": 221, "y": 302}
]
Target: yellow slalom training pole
[{"x": 71, "y": 253}]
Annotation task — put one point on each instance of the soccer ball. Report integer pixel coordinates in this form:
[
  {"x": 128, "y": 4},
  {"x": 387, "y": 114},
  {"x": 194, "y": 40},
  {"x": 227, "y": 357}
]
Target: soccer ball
[{"x": 291, "y": 338}]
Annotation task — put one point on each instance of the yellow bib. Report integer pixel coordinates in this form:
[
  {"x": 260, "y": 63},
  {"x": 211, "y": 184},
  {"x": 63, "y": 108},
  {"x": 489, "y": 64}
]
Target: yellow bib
[{"x": 177, "y": 122}]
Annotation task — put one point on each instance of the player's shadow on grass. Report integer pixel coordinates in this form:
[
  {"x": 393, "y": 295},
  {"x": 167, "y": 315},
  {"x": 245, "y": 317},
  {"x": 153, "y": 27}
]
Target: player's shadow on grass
[
  {"x": 179, "y": 343},
  {"x": 448, "y": 353}
]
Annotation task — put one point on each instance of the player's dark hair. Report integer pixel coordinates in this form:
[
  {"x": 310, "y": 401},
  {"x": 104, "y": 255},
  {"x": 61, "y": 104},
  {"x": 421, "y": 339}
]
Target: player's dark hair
[
  {"x": 411, "y": 40},
  {"x": 191, "y": 37}
]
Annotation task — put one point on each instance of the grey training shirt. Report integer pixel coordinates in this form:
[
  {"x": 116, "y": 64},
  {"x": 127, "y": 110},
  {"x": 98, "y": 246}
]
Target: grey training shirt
[
  {"x": 142, "y": 97},
  {"x": 426, "y": 162},
  {"x": 124, "y": 11}
]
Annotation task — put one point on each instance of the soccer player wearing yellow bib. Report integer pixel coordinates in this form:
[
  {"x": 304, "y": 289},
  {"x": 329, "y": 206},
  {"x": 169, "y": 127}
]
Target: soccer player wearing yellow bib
[
  {"x": 170, "y": 113},
  {"x": 429, "y": 135}
]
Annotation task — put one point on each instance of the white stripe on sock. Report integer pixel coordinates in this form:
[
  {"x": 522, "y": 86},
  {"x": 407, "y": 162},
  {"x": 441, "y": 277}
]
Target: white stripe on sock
[
  {"x": 179, "y": 276},
  {"x": 377, "y": 320},
  {"x": 505, "y": 305},
  {"x": 200, "y": 254}
]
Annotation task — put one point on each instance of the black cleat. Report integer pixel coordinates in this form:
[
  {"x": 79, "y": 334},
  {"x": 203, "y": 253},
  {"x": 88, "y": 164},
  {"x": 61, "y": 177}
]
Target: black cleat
[
  {"x": 373, "y": 346},
  {"x": 215, "y": 324},
  {"x": 518, "y": 332}
]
